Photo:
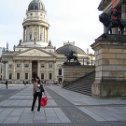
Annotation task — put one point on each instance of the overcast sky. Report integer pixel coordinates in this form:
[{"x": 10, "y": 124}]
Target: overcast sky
[{"x": 70, "y": 20}]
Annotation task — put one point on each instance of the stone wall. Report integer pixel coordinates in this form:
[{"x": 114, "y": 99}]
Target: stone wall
[
  {"x": 110, "y": 77},
  {"x": 72, "y": 73}
]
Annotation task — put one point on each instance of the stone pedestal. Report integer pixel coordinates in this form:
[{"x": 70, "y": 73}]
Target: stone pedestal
[
  {"x": 74, "y": 72},
  {"x": 110, "y": 77}
]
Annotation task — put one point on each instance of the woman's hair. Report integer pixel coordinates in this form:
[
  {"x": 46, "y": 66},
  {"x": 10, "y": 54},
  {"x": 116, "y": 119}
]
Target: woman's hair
[
  {"x": 38, "y": 79},
  {"x": 34, "y": 79}
]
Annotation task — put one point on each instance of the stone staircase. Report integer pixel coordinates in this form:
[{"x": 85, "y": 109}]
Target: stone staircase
[{"x": 83, "y": 84}]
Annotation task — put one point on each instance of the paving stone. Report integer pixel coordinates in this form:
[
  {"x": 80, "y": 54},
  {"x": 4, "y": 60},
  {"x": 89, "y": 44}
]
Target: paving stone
[{"x": 65, "y": 108}]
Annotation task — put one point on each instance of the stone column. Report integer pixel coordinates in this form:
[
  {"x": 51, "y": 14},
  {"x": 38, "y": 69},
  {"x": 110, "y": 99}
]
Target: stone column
[
  {"x": 22, "y": 71},
  {"x": 110, "y": 67},
  {"x": 46, "y": 71},
  {"x": 44, "y": 34},
  {"x": 39, "y": 32},
  {"x": 39, "y": 68},
  {"x": 43, "y": 37},
  {"x": 14, "y": 78},
  {"x": 30, "y": 70},
  {"x": 6, "y": 69},
  {"x": 27, "y": 34}
]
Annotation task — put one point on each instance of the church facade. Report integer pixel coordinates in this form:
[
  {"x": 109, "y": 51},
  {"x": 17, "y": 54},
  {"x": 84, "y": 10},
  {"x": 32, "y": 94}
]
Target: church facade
[{"x": 35, "y": 54}]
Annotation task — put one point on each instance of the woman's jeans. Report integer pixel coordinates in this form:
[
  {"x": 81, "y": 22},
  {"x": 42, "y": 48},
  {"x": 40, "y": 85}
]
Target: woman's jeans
[{"x": 39, "y": 95}]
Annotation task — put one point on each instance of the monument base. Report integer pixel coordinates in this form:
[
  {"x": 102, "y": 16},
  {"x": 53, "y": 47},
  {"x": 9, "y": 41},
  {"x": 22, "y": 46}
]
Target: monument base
[
  {"x": 74, "y": 72},
  {"x": 72, "y": 63},
  {"x": 109, "y": 88},
  {"x": 110, "y": 66}
]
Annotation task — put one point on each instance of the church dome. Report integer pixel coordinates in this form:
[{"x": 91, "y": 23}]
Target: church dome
[
  {"x": 36, "y": 5},
  {"x": 68, "y": 48}
]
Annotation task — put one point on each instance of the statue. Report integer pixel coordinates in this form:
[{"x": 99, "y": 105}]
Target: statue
[
  {"x": 112, "y": 20},
  {"x": 71, "y": 56}
]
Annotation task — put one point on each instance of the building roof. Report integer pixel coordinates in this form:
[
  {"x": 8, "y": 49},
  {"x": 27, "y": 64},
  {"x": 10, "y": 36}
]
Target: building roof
[
  {"x": 68, "y": 48},
  {"x": 36, "y": 5}
]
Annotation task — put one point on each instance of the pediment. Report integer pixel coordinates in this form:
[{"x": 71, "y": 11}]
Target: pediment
[{"x": 35, "y": 52}]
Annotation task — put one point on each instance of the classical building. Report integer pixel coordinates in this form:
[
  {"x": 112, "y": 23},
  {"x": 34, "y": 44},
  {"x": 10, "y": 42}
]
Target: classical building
[{"x": 35, "y": 54}]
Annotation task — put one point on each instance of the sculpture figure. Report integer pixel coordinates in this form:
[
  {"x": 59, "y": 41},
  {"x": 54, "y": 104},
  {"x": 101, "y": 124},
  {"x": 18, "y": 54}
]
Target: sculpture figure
[
  {"x": 112, "y": 20},
  {"x": 71, "y": 56}
]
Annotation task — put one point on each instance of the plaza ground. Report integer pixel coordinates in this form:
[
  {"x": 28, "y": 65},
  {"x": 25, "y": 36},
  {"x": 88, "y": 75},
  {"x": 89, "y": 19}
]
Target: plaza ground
[{"x": 65, "y": 108}]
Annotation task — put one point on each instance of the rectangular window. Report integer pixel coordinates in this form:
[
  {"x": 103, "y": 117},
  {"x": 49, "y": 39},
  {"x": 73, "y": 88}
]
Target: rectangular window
[
  {"x": 18, "y": 76},
  {"x": 18, "y": 65},
  {"x": 10, "y": 76},
  {"x": 50, "y": 76},
  {"x": 26, "y": 75},
  {"x": 42, "y": 76},
  {"x": 26, "y": 65},
  {"x": 42, "y": 65}
]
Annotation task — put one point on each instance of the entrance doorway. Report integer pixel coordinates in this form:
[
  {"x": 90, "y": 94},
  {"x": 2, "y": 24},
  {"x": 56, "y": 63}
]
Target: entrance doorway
[
  {"x": 60, "y": 80},
  {"x": 34, "y": 68}
]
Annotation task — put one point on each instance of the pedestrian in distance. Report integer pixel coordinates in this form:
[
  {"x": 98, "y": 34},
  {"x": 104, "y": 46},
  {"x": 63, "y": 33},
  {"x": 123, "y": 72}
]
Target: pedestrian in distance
[
  {"x": 6, "y": 83},
  {"x": 37, "y": 92}
]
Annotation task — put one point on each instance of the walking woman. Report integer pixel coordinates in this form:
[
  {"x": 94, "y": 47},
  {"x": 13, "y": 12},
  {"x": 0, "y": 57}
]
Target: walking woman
[{"x": 37, "y": 92}]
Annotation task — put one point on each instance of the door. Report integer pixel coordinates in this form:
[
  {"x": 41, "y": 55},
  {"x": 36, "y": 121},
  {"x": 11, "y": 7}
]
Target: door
[{"x": 34, "y": 68}]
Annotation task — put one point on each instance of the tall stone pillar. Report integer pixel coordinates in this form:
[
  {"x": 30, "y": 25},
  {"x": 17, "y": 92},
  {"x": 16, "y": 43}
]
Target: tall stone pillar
[
  {"x": 39, "y": 68},
  {"x": 22, "y": 72},
  {"x": 30, "y": 70},
  {"x": 14, "y": 71},
  {"x": 6, "y": 69},
  {"x": 110, "y": 77},
  {"x": 46, "y": 34},
  {"x": 43, "y": 37}
]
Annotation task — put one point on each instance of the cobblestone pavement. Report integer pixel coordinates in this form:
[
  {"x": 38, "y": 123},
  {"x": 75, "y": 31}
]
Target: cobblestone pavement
[{"x": 65, "y": 108}]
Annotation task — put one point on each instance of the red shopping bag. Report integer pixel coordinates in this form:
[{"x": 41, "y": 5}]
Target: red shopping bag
[{"x": 43, "y": 101}]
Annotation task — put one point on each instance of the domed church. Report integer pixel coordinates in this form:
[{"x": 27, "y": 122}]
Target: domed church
[{"x": 35, "y": 54}]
